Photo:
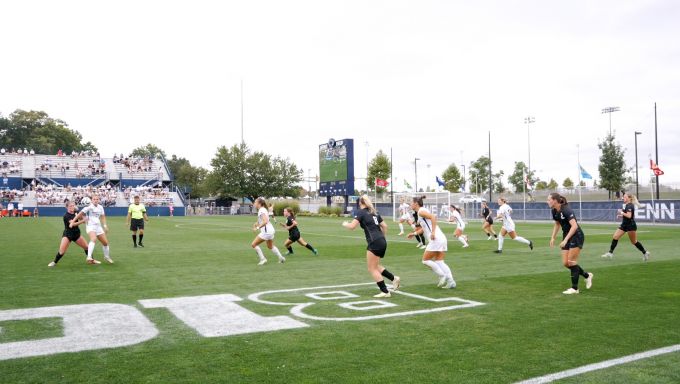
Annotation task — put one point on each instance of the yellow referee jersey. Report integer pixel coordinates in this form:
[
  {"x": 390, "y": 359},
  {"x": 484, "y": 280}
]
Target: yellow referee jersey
[{"x": 137, "y": 211}]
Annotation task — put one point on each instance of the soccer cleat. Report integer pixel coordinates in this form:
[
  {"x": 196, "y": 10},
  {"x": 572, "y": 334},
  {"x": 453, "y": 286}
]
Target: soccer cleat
[
  {"x": 450, "y": 284},
  {"x": 498, "y": 251},
  {"x": 135, "y": 245},
  {"x": 93, "y": 261},
  {"x": 288, "y": 253},
  {"x": 419, "y": 245},
  {"x": 108, "y": 259},
  {"x": 282, "y": 260},
  {"x": 315, "y": 252},
  {"x": 608, "y": 255},
  {"x": 645, "y": 257},
  {"x": 488, "y": 238},
  {"x": 52, "y": 264},
  {"x": 396, "y": 283},
  {"x": 141, "y": 245},
  {"x": 383, "y": 294},
  {"x": 400, "y": 233},
  {"x": 262, "y": 262},
  {"x": 589, "y": 280},
  {"x": 423, "y": 246},
  {"x": 466, "y": 245},
  {"x": 531, "y": 245},
  {"x": 442, "y": 281},
  {"x": 570, "y": 291}
]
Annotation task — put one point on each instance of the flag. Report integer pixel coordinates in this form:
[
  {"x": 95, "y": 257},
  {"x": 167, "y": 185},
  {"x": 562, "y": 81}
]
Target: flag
[
  {"x": 584, "y": 173},
  {"x": 527, "y": 181},
  {"x": 655, "y": 168},
  {"x": 440, "y": 182},
  {"x": 380, "y": 182},
  {"x": 407, "y": 185}
]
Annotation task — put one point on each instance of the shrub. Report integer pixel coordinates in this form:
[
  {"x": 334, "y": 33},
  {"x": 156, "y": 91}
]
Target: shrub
[
  {"x": 279, "y": 206},
  {"x": 328, "y": 211}
]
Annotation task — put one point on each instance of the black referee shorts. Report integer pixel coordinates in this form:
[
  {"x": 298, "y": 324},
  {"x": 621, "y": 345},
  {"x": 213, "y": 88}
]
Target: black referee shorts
[{"x": 136, "y": 224}]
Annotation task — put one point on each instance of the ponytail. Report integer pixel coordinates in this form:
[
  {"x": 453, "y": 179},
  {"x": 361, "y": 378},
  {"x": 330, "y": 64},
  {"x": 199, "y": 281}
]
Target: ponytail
[
  {"x": 419, "y": 200},
  {"x": 561, "y": 200},
  {"x": 633, "y": 199},
  {"x": 290, "y": 210},
  {"x": 366, "y": 202},
  {"x": 457, "y": 209}
]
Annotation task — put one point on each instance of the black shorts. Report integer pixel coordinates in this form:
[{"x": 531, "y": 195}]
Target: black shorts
[
  {"x": 576, "y": 241},
  {"x": 136, "y": 224},
  {"x": 628, "y": 227},
  {"x": 489, "y": 220},
  {"x": 294, "y": 237},
  {"x": 378, "y": 247},
  {"x": 72, "y": 237}
]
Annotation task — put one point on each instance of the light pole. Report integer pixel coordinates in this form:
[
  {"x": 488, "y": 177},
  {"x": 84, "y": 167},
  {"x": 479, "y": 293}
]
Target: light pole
[
  {"x": 464, "y": 176},
  {"x": 415, "y": 166},
  {"x": 528, "y": 121},
  {"x": 637, "y": 191},
  {"x": 366, "y": 142},
  {"x": 609, "y": 110},
  {"x": 309, "y": 187}
]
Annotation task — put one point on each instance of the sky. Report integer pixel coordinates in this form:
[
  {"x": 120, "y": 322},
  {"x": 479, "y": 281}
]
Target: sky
[{"x": 427, "y": 79}]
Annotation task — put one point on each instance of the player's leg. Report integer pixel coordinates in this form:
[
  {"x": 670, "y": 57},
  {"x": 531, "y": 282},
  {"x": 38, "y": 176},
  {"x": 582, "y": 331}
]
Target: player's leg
[
  {"x": 287, "y": 244},
  {"x": 63, "y": 246},
  {"x": 256, "y": 246},
  {"x": 513, "y": 235},
  {"x": 305, "y": 244},
  {"x": 632, "y": 236},
  {"x": 105, "y": 246},
  {"x": 90, "y": 246},
  {"x": 439, "y": 260},
  {"x": 615, "y": 241},
  {"x": 272, "y": 247},
  {"x": 501, "y": 239},
  {"x": 428, "y": 261},
  {"x": 141, "y": 234},
  {"x": 461, "y": 237}
]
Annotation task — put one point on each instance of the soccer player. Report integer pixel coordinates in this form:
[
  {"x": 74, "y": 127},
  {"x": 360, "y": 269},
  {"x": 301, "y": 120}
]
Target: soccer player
[
  {"x": 433, "y": 257},
  {"x": 96, "y": 228},
  {"x": 504, "y": 213},
  {"x": 71, "y": 234},
  {"x": 136, "y": 218},
  {"x": 572, "y": 240},
  {"x": 487, "y": 225},
  {"x": 266, "y": 232},
  {"x": 375, "y": 230},
  {"x": 294, "y": 233},
  {"x": 420, "y": 237},
  {"x": 404, "y": 216},
  {"x": 629, "y": 226},
  {"x": 455, "y": 216}
]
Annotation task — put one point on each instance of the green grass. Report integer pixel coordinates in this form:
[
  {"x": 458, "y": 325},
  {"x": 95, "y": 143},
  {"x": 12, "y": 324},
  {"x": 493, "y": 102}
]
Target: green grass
[{"x": 526, "y": 328}]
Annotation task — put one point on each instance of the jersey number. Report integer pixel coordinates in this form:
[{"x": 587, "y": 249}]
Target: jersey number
[{"x": 376, "y": 220}]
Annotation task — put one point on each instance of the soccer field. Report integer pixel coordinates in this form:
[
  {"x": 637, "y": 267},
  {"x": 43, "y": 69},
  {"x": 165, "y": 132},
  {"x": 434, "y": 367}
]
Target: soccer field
[{"x": 507, "y": 320}]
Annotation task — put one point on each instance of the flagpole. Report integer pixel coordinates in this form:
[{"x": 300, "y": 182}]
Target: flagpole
[
  {"x": 578, "y": 157},
  {"x": 524, "y": 183},
  {"x": 651, "y": 190}
]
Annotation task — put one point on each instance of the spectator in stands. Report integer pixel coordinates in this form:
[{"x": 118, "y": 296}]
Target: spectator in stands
[
  {"x": 2, "y": 151},
  {"x": 60, "y": 152},
  {"x": 19, "y": 152},
  {"x": 36, "y": 213},
  {"x": 32, "y": 152}
]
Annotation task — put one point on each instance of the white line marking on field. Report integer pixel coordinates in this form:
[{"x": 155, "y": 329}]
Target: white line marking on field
[{"x": 601, "y": 365}]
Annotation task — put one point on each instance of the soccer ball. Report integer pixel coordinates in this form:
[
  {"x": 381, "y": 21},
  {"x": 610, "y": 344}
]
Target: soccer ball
[{"x": 85, "y": 201}]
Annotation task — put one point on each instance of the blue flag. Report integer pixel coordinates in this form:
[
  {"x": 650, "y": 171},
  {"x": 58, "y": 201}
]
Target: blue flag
[
  {"x": 584, "y": 173},
  {"x": 440, "y": 182}
]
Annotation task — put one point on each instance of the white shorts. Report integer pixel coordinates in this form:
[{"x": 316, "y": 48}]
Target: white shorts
[
  {"x": 96, "y": 228},
  {"x": 439, "y": 244},
  {"x": 405, "y": 217},
  {"x": 509, "y": 226},
  {"x": 461, "y": 227},
  {"x": 266, "y": 236}
]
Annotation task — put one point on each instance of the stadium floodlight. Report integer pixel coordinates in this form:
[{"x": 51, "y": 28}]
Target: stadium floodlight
[
  {"x": 609, "y": 110},
  {"x": 529, "y": 120},
  {"x": 637, "y": 188},
  {"x": 415, "y": 166}
]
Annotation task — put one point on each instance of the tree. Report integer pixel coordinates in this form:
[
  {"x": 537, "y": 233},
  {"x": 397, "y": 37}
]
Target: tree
[
  {"x": 516, "y": 179},
  {"x": 567, "y": 183},
  {"x": 149, "y": 150},
  {"x": 552, "y": 184},
  {"x": 238, "y": 172},
  {"x": 612, "y": 165},
  {"x": 379, "y": 167},
  {"x": 541, "y": 185},
  {"x": 452, "y": 179},
  {"x": 36, "y": 130},
  {"x": 187, "y": 176},
  {"x": 582, "y": 183},
  {"x": 479, "y": 176}
]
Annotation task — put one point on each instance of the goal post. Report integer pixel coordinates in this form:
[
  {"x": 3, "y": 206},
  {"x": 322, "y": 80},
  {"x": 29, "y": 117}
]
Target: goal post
[{"x": 436, "y": 202}]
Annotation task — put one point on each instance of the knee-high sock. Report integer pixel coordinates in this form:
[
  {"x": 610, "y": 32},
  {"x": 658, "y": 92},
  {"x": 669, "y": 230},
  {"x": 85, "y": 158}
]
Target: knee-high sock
[
  {"x": 387, "y": 274},
  {"x": 90, "y": 249},
  {"x": 259, "y": 252},
  {"x": 290, "y": 249},
  {"x": 401, "y": 227},
  {"x": 58, "y": 257},
  {"x": 309, "y": 246},
  {"x": 522, "y": 240},
  {"x": 613, "y": 246},
  {"x": 277, "y": 252},
  {"x": 462, "y": 239},
  {"x": 445, "y": 268},
  {"x": 106, "y": 250},
  {"x": 500, "y": 242},
  {"x": 574, "y": 276},
  {"x": 640, "y": 247},
  {"x": 435, "y": 268},
  {"x": 582, "y": 272},
  {"x": 134, "y": 239}
]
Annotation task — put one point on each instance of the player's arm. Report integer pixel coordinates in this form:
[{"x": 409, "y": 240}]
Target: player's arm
[
  {"x": 146, "y": 217},
  {"x": 626, "y": 213},
  {"x": 556, "y": 228},
  {"x": 418, "y": 230},
  {"x": 572, "y": 231},
  {"x": 351, "y": 224},
  {"x": 102, "y": 218},
  {"x": 129, "y": 217},
  {"x": 383, "y": 228}
]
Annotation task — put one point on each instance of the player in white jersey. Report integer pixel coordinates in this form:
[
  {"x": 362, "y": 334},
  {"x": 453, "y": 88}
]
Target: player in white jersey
[
  {"x": 504, "y": 213},
  {"x": 433, "y": 257},
  {"x": 455, "y": 216},
  {"x": 404, "y": 215},
  {"x": 96, "y": 228},
  {"x": 266, "y": 229}
]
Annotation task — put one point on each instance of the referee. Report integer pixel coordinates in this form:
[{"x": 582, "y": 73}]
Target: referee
[{"x": 135, "y": 219}]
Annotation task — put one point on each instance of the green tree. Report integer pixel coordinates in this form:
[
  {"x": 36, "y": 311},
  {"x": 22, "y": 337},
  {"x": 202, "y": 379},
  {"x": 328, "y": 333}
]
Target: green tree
[
  {"x": 567, "y": 183},
  {"x": 148, "y": 150},
  {"x": 379, "y": 167},
  {"x": 452, "y": 178},
  {"x": 612, "y": 165},
  {"x": 541, "y": 185},
  {"x": 187, "y": 176},
  {"x": 552, "y": 184},
  {"x": 479, "y": 176},
  {"x": 38, "y": 131},
  {"x": 516, "y": 179}
]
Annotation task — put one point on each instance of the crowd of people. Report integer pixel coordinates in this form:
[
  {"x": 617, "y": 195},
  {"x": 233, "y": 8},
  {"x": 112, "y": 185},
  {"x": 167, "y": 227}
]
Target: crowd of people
[
  {"x": 53, "y": 195},
  {"x": 134, "y": 164},
  {"x": 10, "y": 167},
  {"x": 17, "y": 151},
  {"x": 151, "y": 196}
]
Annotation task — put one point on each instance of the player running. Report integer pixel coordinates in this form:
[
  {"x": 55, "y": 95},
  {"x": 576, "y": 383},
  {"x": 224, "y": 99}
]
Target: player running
[
  {"x": 487, "y": 223},
  {"x": 96, "y": 228},
  {"x": 71, "y": 234},
  {"x": 266, "y": 232},
  {"x": 629, "y": 226},
  {"x": 434, "y": 254},
  {"x": 294, "y": 233},
  {"x": 455, "y": 216},
  {"x": 404, "y": 216},
  {"x": 375, "y": 230},
  {"x": 572, "y": 240},
  {"x": 504, "y": 213},
  {"x": 135, "y": 220}
]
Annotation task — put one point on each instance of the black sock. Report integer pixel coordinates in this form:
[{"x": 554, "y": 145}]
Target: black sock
[
  {"x": 141, "y": 237},
  {"x": 134, "y": 239},
  {"x": 85, "y": 251},
  {"x": 290, "y": 249},
  {"x": 382, "y": 286},
  {"x": 613, "y": 246},
  {"x": 640, "y": 247},
  {"x": 574, "y": 276},
  {"x": 418, "y": 238},
  {"x": 495, "y": 236},
  {"x": 582, "y": 272},
  {"x": 309, "y": 246},
  {"x": 387, "y": 274},
  {"x": 58, "y": 257}
]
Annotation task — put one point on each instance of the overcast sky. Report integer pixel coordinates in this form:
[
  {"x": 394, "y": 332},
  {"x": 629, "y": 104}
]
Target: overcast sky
[{"x": 429, "y": 79}]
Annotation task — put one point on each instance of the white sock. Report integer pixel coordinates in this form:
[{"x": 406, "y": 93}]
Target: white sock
[
  {"x": 445, "y": 268},
  {"x": 401, "y": 227},
  {"x": 522, "y": 240},
  {"x": 106, "y": 250},
  {"x": 90, "y": 249},
  {"x": 259, "y": 253},
  {"x": 462, "y": 240},
  {"x": 500, "y": 242},
  {"x": 435, "y": 268},
  {"x": 277, "y": 252}
]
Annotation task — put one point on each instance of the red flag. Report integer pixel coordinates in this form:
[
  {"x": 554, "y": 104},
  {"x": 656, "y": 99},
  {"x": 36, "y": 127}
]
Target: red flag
[
  {"x": 381, "y": 183},
  {"x": 655, "y": 168}
]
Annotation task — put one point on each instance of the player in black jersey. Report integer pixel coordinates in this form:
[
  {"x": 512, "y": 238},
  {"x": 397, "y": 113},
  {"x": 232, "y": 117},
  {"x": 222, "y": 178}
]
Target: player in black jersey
[
  {"x": 487, "y": 221},
  {"x": 294, "y": 232},
  {"x": 375, "y": 229},
  {"x": 71, "y": 233},
  {"x": 629, "y": 226},
  {"x": 422, "y": 243},
  {"x": 572, "y": 240}
]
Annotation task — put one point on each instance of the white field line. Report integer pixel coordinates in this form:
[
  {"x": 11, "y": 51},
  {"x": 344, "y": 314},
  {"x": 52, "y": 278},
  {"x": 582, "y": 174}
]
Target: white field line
[{"x": 601, "y": 365}]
